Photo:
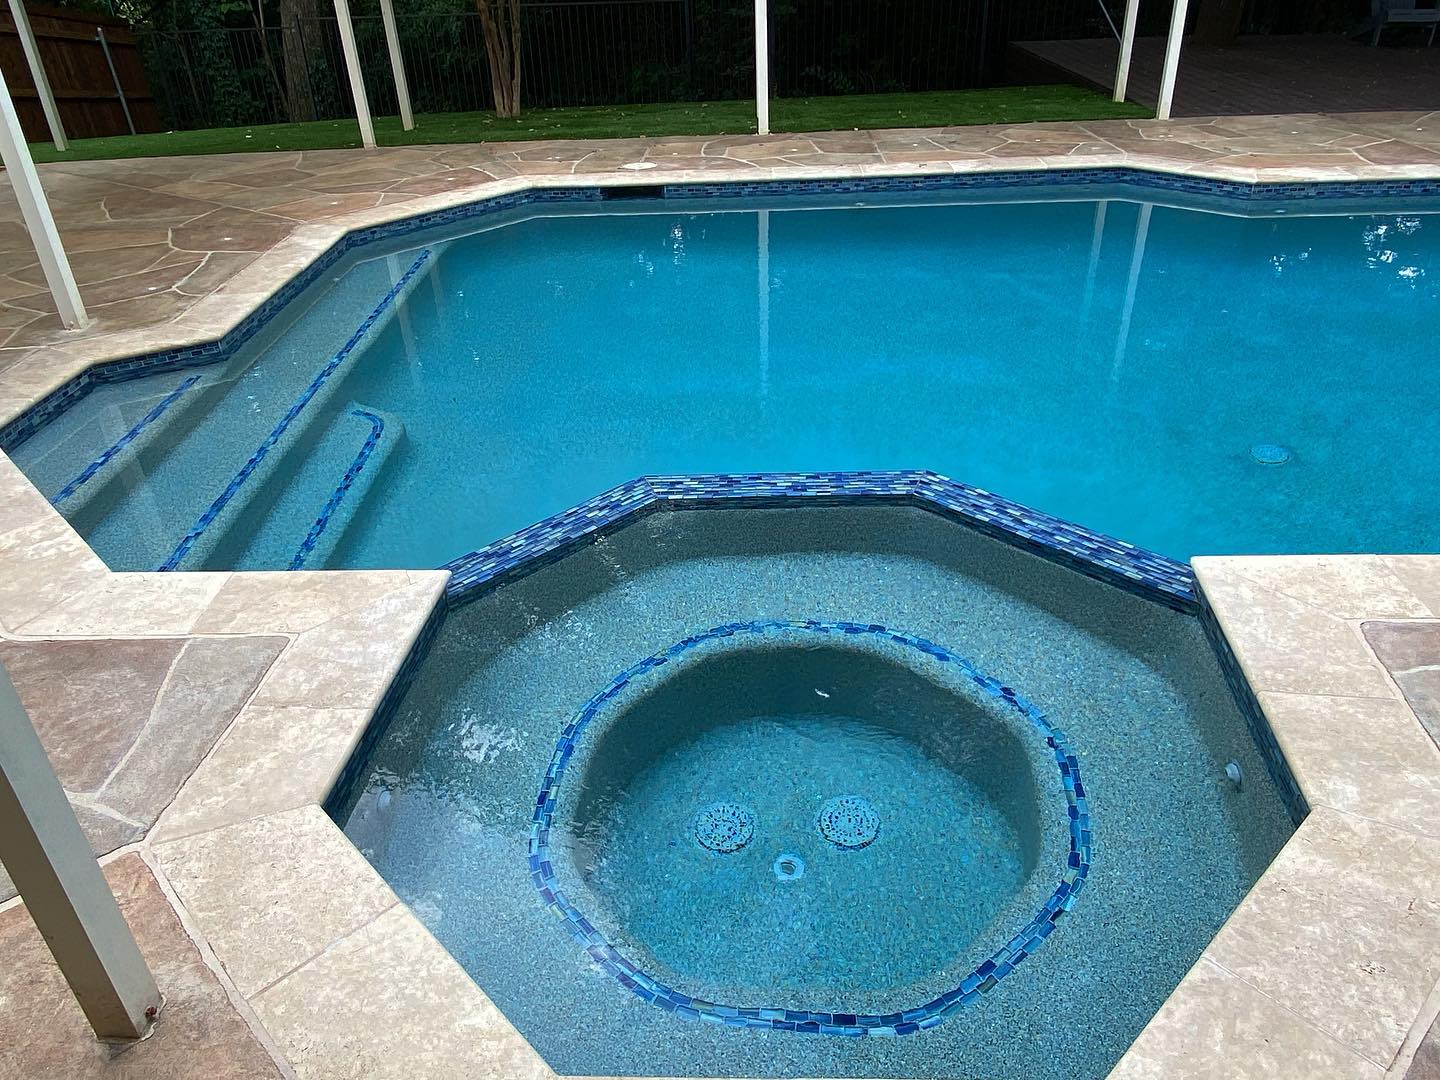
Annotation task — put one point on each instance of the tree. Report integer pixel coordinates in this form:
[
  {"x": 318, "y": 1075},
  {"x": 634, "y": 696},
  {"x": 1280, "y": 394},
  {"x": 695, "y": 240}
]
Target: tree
[{"x": 500, "y": 24}]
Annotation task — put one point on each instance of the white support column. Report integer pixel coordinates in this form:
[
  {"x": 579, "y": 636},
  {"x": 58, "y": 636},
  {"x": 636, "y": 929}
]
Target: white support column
[
  {"x": 49, "y": 859},
  {"x": 36, "y": 211},
  {"x": 1127, "y": 49},
  {"x": 352, "y": 67},
  {"x": 1172, "y": 59},
  {"x": 37, "y": 72},
  {"x": 762, "y": 67},
  {"x": 397, "y": 64}
]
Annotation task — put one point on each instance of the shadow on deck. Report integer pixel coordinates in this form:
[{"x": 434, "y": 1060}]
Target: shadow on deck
[{"x": 1258, "y": 75}]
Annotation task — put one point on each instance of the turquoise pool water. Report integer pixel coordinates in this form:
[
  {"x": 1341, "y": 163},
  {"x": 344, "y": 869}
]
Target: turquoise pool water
[
  {"x": 1138, "y": 369},
  {"x": 697, "y": 821}
]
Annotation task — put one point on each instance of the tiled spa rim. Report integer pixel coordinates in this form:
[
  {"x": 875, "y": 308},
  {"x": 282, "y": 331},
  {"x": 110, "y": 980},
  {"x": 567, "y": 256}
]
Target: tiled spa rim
[{"x": 982, "y": 980}]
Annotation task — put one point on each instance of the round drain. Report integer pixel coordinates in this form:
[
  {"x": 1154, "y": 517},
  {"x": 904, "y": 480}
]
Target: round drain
[
  {"x": 1269, "y": 454},
  {"x": 848, "y": 822},
  {"x": 789, "y": 867},
  {"x": 724, "y": 827}
]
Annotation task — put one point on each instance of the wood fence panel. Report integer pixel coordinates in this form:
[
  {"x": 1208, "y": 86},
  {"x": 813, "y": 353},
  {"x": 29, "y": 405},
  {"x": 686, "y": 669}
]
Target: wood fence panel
[{"x": 75, "y": 63}]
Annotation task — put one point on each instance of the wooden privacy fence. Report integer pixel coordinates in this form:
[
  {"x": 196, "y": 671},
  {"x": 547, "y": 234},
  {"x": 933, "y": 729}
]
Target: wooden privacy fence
[{"x": 85, "y": 89}]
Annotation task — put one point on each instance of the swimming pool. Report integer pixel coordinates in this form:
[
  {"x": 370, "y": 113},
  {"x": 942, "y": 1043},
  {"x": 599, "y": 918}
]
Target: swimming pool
[
  {"x": 1187, "y": 379},
  {"x": 820, "y": 774}
]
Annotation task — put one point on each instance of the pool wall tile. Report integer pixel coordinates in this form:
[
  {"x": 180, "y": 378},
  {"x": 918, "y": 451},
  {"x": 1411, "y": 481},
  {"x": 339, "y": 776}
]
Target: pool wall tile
[
  {"x": 1249, "y": 706},
  {"x": 1143, "y": 573}
]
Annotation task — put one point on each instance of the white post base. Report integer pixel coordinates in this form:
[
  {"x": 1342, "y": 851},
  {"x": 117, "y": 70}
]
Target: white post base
[{"x": 49, "y": 859}]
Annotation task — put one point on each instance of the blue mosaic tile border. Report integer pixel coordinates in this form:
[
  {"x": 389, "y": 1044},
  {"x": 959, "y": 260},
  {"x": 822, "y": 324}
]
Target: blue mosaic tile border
[
  {"x": 1144, "y": 573},
  {"x": 1249, "y": 706},
  {"x": 340, "y": 801},
  {"x": 88, "y": 473},
  {"x": 307, "y": 546},
  {"x": 980, "y": 981},
  {"x": 1177, "y": 183},
  {"x": 262, "y": 451},
  {"x": 25, "y": 425}
]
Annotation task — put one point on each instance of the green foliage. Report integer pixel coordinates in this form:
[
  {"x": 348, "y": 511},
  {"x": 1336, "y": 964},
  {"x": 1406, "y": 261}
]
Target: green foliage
[{"x": 1007, "y": 105}]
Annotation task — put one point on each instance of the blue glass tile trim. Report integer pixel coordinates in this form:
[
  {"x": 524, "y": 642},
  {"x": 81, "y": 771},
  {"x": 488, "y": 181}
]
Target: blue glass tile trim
[
  {"x": 125, "y": 440},
  {"x": 25, "y": 425},
  {"x": 1249, "y": 706},
  {"x": 377, "y": 429},
  {"x": 980, "y": 981},
  {"x": 262, "y": 451},
  {"x": 340, "y": 801},
  {"x": 1115, "y": 562},
  {"x": 1077, "y": 177}
]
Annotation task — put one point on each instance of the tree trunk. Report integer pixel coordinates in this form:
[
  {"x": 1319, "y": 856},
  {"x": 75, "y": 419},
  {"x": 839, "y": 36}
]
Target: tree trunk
[
  {"x": 500, "y": 26},
  {"x": 1218, "y": 22},
  {"x": 299, "y": 101}
]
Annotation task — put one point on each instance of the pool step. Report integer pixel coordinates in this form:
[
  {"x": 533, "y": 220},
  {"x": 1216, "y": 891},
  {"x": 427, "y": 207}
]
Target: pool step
[
  {"x": 322, "y": 493},
  {"x": 344, "y": 502},
  {"x": 257, "y": 485}
]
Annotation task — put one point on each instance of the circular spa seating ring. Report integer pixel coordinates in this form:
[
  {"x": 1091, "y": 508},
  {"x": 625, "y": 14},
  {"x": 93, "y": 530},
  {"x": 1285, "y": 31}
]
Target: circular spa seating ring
[{"x": 848, "y": 821}]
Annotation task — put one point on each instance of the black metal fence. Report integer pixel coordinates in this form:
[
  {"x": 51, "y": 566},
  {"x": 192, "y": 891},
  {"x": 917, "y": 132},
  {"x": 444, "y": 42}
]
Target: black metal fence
[{"x": 610, "y": 52}]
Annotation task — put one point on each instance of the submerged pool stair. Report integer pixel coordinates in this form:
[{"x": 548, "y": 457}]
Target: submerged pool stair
[{"x": 228, "y": 525}]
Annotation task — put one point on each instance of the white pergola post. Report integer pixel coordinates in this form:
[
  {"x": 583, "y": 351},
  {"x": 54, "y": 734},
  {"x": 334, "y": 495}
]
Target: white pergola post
[
  {"x": 352, "y": 67},
  {"x": 1127, "y": 49},
  {"x": 762, "y": 67},
  {"x": 36, "y": 211},
  {"x": 1172, "y": 60},
  {"x": 37, "y": 72},
  {"x": 49, "y": 859},
  {"x": 397, "y": 64}
]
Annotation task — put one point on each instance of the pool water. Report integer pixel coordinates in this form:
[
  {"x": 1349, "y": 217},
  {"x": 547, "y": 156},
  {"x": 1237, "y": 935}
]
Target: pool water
[
  {"x": 693, "y": 825},
  {"x": 1190, "y": 381}
]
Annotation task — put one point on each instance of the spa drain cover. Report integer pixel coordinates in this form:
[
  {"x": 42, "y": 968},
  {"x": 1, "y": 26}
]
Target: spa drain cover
[
  {"x": 848, "y": 822},
  {"x": 724, "y": 827}
]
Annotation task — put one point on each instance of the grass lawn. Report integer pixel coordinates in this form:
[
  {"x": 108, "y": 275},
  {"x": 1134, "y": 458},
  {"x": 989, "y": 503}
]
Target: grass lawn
[{"x": 1011, "y": 104}]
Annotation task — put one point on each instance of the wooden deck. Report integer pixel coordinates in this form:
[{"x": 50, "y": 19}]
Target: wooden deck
[{"x": 1259, "y": 75}]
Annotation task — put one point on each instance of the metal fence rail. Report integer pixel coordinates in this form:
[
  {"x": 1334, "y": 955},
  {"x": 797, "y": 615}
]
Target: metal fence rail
[{"x": 607, "y": 52}]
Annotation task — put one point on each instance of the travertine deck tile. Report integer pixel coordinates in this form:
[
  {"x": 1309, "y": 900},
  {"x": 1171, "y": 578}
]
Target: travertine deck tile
[
  {"x": 273, "y": 892},
  {"x": 271, "y": 759},
  {"x": 345, "y": 1014},
  {"x": 1217, "y": 1027},
  {"x": 1343, "y": 930},
  {"x": 1275, "y": 637},
  {"x": 1366, "y": 756}
]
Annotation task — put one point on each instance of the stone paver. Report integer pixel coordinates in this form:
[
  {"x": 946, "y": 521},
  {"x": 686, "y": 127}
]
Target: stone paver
[
  {"x": 1410, "y": 651},
  {"x": 44, "y": 1036},
  {"x": 126, "y": 722}
]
